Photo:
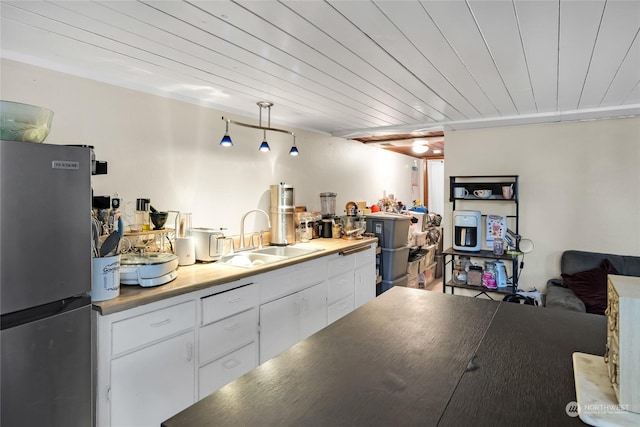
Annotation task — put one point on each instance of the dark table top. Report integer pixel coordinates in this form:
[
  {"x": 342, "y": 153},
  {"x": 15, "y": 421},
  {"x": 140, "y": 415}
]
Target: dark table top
[{"x": 414, "y": 357}]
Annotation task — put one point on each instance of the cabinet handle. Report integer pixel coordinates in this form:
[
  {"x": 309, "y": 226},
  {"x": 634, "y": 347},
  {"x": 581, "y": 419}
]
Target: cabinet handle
[
  {"x": 231, "y": 363},
  {"x": 161, "y": 323},
  {"x": 189, "y": 352},
  {"x": 234, "y": 300},
  {"x": 354, "y": 250},
  {"x": 232, "y": 326}
]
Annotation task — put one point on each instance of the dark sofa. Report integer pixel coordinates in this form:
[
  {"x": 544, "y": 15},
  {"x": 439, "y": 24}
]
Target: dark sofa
[{"x": 574, "y": 262}]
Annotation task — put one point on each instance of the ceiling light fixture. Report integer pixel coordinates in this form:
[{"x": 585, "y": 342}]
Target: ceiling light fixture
[
  {"x": 294, "y": 150},
  {"x": 226, "y": 139},
  {"x": 420, "y": 149},
  {"x": 264, "y": 147}
]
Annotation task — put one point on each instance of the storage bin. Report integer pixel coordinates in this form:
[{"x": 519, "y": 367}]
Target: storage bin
[
  {"x": 428, "y": 275},
  {"x": 421, "y": 237},
  {"x": 392, "y": 230},
  {"x": 413, "y": 268},
  {"x": 385, "y": 285},
  {"x": 414, "y": 282},
  {"x": 394, "y": 262},
  {"x": 430, "y": 257}
]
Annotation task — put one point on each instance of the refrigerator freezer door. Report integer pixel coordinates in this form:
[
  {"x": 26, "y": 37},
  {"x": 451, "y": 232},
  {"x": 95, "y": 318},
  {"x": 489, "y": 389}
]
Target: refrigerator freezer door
[
  {"x": 46, "y": 371},
  {"x": 45, "y": 227}
]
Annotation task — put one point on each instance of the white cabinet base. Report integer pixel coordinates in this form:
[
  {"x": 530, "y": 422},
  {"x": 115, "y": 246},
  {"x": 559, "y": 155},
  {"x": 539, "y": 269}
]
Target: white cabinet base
[
  {"x": 154, "y": 383},
  {"x": 216, "y": 374}
]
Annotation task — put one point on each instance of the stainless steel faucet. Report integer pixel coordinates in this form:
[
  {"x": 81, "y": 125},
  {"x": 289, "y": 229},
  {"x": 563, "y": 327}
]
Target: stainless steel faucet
[{"x": 242, "y": 245}]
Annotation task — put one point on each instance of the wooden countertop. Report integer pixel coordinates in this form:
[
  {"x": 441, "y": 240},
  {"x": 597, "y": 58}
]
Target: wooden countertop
[
  {"x": 204, "y": 275},
  {"x": 415, "y": 357}
]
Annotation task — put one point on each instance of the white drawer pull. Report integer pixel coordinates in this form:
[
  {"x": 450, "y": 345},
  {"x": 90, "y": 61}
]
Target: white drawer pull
[
  {"x": 234, "y": 300},
  {"x": 189, "y": 354},
  {"x": 161, "y": 323},
  {"x": 232, "y": 326},
  {"x": 231, "y": 363}
]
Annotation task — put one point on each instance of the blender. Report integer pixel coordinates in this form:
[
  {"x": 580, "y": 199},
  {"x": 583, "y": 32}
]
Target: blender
[
  {"x": 328, "y": 212},
  {"x": 328, "y": 205}
]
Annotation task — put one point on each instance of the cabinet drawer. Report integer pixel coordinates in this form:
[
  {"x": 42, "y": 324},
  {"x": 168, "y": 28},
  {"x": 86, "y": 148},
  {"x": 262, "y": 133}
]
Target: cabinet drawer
[
  {"x": 365, "y": 257},
  {"x": 340, "y": 308},
  {"x": 225, "y": 304},
  {"x": 340, "y": 286},
  {"x": 223, "y": 336},
  {"x": 341, "y": 264},
  {"x": 290, "y": 280},
  {"x": 226, "y": 369},
  {"x": 145, "y": 328}
]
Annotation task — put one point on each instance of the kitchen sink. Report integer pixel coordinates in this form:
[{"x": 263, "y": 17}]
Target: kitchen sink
[
  {"x": 285, "y": 251},
  {"x": 250, "y": 259},
  {"x": 267, "y": 255}
]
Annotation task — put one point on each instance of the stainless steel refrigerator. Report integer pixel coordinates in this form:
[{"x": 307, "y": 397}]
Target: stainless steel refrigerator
[{"x": 45, "y": 277}]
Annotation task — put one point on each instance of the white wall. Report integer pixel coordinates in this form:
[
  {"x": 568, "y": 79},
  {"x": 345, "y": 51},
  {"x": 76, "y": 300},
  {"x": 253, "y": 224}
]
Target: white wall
[
  {"x": 168, "y": 151},
  {"x": 579, "y": 185}
]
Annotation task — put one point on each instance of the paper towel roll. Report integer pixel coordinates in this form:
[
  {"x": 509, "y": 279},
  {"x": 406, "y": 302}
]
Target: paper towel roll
[{"x": 185, "y": 250}]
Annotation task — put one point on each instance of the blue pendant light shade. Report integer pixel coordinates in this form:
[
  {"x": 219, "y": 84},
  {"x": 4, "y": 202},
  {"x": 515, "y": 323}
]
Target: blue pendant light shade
[
  {"x": 294, "y": 150},
  {"x": 226, "y": 139},
  {"x": 264, "y": 147}
]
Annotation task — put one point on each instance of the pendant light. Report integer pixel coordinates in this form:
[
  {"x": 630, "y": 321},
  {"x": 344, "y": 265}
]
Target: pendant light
[
  {"x": 264, "y": 147},
  {"x": 226, "y": 139},
  {"x": 294, "y": 150}
]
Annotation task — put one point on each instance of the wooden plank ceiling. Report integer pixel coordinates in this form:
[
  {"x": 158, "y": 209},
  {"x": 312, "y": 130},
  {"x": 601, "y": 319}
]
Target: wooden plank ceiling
[{"x": 354, "y": 69}]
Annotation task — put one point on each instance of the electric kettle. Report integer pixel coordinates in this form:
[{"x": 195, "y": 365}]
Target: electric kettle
[{"x": 501, "y": 274}]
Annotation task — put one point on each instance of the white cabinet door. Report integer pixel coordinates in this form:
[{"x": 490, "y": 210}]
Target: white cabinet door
[
  {"x": 287, "y": 321},
  {"x": 153, "y": 383},
  {"x": 313, "y": 310},
  {"x": 278, "y": 326},
  {"x": 365, "y": 286}
]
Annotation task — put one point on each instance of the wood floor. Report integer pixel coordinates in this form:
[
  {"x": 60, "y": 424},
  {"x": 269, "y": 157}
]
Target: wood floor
[{"x": 436, "y": 285}]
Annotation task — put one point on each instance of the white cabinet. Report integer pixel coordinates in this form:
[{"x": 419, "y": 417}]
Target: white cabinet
[
  {"x": 153, "y": 383},
  {"x": 228, "y": 337},
  {"x": 288, "y": 320},
  {"x": 340, "y": 298},
  {"x": 227, "y": 368},
  {"x": 293, "y": 306},
  {"x": 278, "y": 326},
  {"x": 155, "y": 360},
  {"x": 365, "y": 277},
  {"x": 312, "y": 309},
  {"x": 352, "y": 281},
  {"x": 146, "y": 364}
]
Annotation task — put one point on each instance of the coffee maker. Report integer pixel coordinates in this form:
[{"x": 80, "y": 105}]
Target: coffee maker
[{"x": 467, "y": 234}]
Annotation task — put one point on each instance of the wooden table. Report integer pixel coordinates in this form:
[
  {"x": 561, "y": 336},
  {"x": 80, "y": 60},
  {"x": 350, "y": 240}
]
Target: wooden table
[{"x": 414, "y": 357}]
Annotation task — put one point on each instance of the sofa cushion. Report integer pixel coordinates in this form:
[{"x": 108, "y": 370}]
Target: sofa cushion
[
  {"x": 591, "y": 286},
  {"x": 563, "y": 297}
]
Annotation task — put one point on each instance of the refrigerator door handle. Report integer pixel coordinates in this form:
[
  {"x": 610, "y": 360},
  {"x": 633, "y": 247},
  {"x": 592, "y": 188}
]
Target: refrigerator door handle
[{"x": 42, "y": 311}]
